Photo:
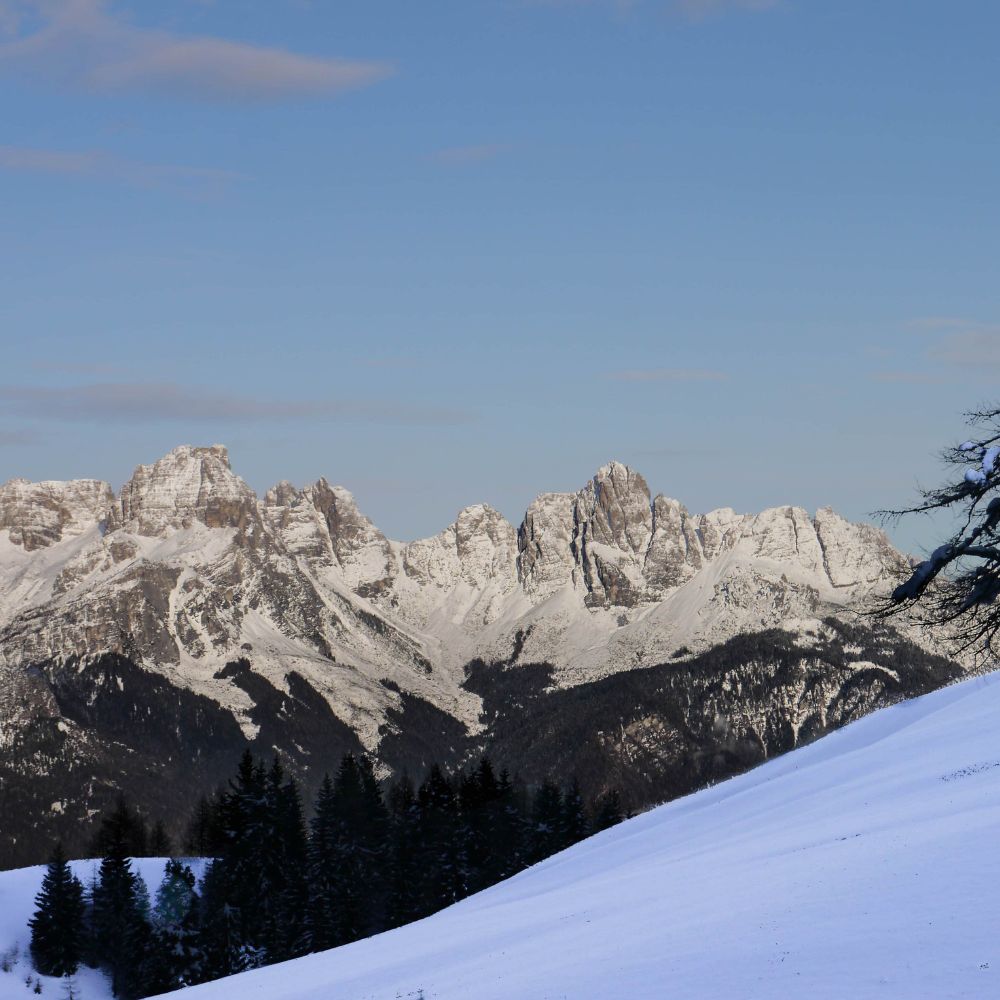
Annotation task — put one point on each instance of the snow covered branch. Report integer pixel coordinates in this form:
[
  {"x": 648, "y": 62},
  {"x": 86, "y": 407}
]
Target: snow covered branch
[{"x": 959, "y": 583}]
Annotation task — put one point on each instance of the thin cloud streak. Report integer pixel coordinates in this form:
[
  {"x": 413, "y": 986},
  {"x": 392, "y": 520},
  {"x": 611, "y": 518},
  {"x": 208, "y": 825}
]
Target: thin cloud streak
[
  {"x": 969, "y": 348},
  {"x": 668, "y": 375},
  {"x": 17, "y": 439},
  {"x": 165, "y": 402},
  {"x": 80, "y": 43},
  {"x": 936, "y": 324},
  {"x": 697, "y": 9},
  {"x": 98, "y": 165},
  {"x": 913, "y": 378},
  {"x": 693, "y": 10},
  {"x": 83, "y": 368}
]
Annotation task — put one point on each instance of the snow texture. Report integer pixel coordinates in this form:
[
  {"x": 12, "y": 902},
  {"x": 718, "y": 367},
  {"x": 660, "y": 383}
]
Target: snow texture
[
  {"x": 187, "y": 569},
  {"x": 863, "y": 866}
]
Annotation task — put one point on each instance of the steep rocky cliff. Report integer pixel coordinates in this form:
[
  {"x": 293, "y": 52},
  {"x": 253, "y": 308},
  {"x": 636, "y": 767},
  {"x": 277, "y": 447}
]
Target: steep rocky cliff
[{"x": 212, "y": 619}]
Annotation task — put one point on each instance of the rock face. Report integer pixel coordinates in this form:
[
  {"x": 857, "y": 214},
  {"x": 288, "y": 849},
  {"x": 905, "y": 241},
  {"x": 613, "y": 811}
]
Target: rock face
[
  {"x": 188, "y": 485},
  {"x": 37, "y": 515},
  {"x": 187, "y": 572}
]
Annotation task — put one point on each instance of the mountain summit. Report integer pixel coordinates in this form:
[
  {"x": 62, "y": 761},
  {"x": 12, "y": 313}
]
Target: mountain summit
[{"x": 190, "y": 607}]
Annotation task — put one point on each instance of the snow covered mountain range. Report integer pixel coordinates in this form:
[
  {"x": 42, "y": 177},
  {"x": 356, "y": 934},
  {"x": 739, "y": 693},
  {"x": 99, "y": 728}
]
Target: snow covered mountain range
[{"x": 168, "y": 624}]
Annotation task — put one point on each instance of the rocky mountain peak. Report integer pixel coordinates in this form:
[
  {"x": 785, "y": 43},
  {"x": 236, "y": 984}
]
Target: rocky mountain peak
[
  {"x": 40, "y": 514},
  {"x": 188, "y": 484},
  {"x": 361, "y": 550}
]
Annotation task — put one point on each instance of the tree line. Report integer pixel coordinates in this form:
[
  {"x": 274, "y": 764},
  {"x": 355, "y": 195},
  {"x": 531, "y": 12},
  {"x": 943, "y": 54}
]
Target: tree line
[{"x": 276, "y": 887}]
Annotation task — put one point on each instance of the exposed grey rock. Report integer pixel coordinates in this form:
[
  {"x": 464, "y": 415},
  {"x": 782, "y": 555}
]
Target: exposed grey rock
[
  {"x": 546, "y": 559},
  {"x": 674, "y": 554},
  {"x": 188, "y": 485},
  {"x": 38, "y": 515}
]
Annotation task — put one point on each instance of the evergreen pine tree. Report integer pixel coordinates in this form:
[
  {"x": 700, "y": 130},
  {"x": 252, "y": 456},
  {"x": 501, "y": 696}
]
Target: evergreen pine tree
[
  {"x": 175, "y": 957},
  {"x": 122, "y": 826},
  {"x": 609, "y": 811},
  {"x": 441, "y": 861},
  {"x": 510, "y": 833},
  {"x": 120, "y": 928},
  {"x": 159, "y": 841},
  {"x": 404, "y": 898},
  {"x": 574, "y": 817},
  {"x": 321, "y": 867},
  {"x": 57, "y": 926},
  {"x": 174, "y": 895},
  {"x": 358, "y": 845},
  {"x": 545, "y": 835},
  {"x": 203, "y": 837},
  {"x": 480, "y": 800},
  {"x": 284, "y": 896},
  {"x": 234, "y": 916}
]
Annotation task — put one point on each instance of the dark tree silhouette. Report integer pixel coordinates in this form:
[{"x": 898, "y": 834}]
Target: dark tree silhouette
[
  {"x": 120, "y": 927},
  {"x": 57, "y": 926},
  {"x": 956, "y": 587}
]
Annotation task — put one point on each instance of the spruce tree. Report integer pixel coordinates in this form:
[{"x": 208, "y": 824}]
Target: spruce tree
[
  {"x": 443, "y": 870},
  {"x": 120, "y": 928},
  {"x": 609, "y": 811},
  {"x": 283, "y": 891},
  {"x": 57, "y": 926},
  {"x": 358, "y": 845},
  {"x": 175, "y": 958},
  {"x": 509, "y": 836},
  {"x": 234, "y": 915},
  {"x": 203, "y": 837},
  {"x": 545, "y": 835},
  {"x": 174, "y": 894},
  {"x": 481, "y": 804},
  {"x": 122, "y": 826},
  {"x": 321, "y": 867},
  {"x": 404, "y": 897},
  {"x": 159, "y": 841},
  {"x": 574, "y": 826}
]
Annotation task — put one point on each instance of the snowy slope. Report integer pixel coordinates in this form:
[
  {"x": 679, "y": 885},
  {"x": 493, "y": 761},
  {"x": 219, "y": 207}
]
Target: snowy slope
[{"x": 864, "y": 865}]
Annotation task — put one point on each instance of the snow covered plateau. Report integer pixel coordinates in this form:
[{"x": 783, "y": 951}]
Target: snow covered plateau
[
  {"x": 864, "y": 865},
  {"x": 160, "y": 630}
]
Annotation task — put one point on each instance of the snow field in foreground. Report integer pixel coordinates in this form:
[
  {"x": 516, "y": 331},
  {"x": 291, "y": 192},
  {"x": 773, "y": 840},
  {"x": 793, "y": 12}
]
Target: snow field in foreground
[{"x": 864, "y": 865}]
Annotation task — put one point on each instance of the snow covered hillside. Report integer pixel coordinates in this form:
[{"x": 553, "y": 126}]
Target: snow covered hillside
[{"x": 864, "y": 865}]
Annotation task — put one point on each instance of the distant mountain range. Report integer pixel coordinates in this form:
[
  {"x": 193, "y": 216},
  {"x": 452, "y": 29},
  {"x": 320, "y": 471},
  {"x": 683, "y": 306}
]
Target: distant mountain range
[{"x": 147, "y": 637}]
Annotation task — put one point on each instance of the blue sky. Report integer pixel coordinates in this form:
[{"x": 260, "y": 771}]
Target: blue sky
[{"x": 467, "y": 251}]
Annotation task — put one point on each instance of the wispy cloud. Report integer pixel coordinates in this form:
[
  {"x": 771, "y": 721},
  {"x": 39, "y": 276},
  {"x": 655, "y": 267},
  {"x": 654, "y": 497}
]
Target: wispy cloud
[
  {"x": 703, "y": 8},
  {"x": 691, "y": 9},
  {"x": 978, "y": 347},
  {"x": 954, "y": 347},
  {"x": 100, "y": 165},
  {"x": 935, "y": 324},
  {"x": 460, "y": 155},
  {"x": 668, "y": 375},
  {"x": 85, "y": 368},
  {"x": 915, "y": 378},
  {"x": 81, "y": 43},
  {"x": 17, "y": 438},
  {"x": 165, "y": 402}
]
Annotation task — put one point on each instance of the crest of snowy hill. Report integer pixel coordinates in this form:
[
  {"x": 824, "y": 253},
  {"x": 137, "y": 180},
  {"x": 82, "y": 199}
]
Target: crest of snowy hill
[
  {"x": 863, "y": 866},
  {"x": 290, "y": 620}
]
